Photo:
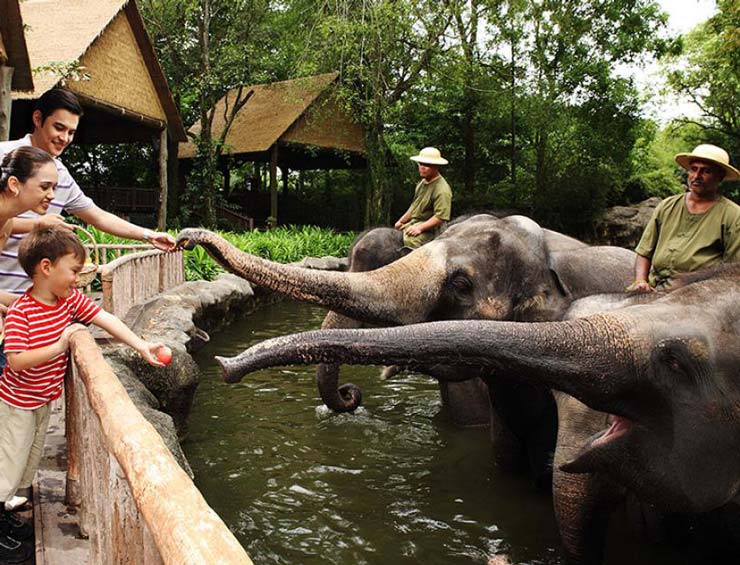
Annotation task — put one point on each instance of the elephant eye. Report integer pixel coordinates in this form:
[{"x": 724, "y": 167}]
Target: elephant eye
[
  {"x": 688, "y": 358},
  {"x": 461, "y": 282}
]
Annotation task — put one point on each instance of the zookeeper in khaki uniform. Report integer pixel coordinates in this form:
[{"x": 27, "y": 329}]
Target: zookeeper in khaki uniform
[
  {"x": 690, "y": 231},
  {"x": 432, "y": 204}
]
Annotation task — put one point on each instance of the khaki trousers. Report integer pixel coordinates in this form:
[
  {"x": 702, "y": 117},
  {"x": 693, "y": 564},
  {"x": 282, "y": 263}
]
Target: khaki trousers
[{"x": 22, "y": 435}]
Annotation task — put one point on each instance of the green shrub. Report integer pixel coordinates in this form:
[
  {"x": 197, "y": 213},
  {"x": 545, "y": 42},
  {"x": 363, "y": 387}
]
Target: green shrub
[{"x": 284, "y": 244}]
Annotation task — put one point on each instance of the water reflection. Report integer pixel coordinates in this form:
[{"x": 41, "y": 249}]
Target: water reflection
[{"x": 392, "y": 483}]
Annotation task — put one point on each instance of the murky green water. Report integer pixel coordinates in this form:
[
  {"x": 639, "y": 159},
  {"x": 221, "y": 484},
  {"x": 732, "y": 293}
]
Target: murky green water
[{"x": 395, "y": 483}]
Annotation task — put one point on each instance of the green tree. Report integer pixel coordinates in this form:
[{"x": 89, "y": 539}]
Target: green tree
[
  {"x": 210, "y": 48},
  {"x": 381, "y": 48},
  {"x": 707, "y": 72}
]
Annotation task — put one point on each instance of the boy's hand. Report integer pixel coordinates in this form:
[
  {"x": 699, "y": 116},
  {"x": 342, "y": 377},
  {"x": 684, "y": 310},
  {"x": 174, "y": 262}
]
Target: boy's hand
[{"x": 149, "y": 352}]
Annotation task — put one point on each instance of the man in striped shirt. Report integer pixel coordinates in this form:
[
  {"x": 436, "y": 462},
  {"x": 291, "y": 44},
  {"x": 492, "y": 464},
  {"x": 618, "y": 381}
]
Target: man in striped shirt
[
  {"x": 38, "y": 327},
  {"x": 55, "y": 122}
]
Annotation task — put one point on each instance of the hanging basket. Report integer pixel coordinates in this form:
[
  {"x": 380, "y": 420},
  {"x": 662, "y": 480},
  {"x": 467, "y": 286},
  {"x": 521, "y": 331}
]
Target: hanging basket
[{"x": 90, "y": 269}]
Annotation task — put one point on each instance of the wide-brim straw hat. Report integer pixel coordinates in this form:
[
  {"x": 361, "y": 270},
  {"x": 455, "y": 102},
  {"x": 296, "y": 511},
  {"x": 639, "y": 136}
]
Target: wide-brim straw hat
[
  {"x": 429, "y": 156},
  {"x": 712, "y": 154}
]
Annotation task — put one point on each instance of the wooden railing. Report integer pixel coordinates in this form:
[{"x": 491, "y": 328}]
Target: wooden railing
[
  {"x": 237, "y": 221},
  {"x": 104, "y": 253},
  {"x": 125, "y": 199},
  {"x": 136, "y": 277},
  {"x": 137, "y": 504}
]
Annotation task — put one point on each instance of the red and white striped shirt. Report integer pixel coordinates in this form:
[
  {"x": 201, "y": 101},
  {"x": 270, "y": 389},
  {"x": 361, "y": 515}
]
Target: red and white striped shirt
[{"x": 31, "y": 324}]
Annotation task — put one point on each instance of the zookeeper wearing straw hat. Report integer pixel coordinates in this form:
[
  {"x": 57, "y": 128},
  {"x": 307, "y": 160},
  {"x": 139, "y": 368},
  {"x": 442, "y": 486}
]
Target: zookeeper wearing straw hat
[
  {"x": 432, "y": 204},
  {"x": 693, "y": 230}
]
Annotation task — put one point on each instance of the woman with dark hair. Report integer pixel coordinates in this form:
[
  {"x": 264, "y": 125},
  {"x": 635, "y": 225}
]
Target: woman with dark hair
[{"x": 27, "y": 179}]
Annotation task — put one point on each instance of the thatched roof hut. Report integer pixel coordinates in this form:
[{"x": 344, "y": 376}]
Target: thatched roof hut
[
  {"x": 101, "y": 51},
  {"x": 294, "y": 124},
  {"x": 301, "y": 116}
]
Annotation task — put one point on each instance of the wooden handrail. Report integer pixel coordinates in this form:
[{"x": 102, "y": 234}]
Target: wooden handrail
[
  {"x": 178, "y": 521},
  {"x": 136, "y": 277}
]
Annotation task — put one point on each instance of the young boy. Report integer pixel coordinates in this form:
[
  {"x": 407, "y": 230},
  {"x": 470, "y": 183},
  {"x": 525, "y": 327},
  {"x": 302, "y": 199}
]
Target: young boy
[{"x": 38, "y": 327}]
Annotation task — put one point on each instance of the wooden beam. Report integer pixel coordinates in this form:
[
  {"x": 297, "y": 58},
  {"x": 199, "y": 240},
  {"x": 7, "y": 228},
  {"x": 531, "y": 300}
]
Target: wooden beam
[
  {"x": 273, "y": 187},
  {"x": 162, "y": 217},
  {"x": 118, "y": 111},
  {"x": 6, "y": 78}
]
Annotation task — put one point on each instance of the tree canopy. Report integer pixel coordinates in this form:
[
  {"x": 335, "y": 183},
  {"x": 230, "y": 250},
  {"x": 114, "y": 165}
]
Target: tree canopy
[{"x": 526, "y": 98}]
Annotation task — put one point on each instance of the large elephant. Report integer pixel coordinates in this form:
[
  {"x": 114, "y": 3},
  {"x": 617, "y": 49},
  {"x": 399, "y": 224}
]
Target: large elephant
[
  {"x": 664, "y": 367},
  {"x": 482, "y": 267}
]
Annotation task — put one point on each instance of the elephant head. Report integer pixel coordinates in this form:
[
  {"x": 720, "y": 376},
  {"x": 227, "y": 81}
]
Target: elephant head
[{"x": 666, "y": 370}]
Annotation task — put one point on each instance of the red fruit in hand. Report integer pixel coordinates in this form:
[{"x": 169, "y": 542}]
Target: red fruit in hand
[{"x": 164, "y": 355}]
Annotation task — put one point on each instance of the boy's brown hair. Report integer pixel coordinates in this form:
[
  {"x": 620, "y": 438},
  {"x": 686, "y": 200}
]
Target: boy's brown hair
[{"x": 48, "y": 242}]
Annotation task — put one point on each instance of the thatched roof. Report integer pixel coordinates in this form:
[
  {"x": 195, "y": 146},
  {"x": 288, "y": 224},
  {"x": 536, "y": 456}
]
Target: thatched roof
[
  {"x": 107, "y": 41},
  {"x": 302, "y": 115},
  {"x": 13, "y": 45}
]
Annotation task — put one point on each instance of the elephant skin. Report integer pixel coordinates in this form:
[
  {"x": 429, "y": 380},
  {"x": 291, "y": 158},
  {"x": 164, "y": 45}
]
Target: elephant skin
[{"x": 663, "y": 366}]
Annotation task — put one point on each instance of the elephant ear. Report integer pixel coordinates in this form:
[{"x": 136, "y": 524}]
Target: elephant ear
[
  {"x": 538, "y": 242},
  {"x": 555, "y": 268}
]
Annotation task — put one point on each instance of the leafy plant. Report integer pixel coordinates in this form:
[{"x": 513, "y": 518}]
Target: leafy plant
[{"x": 285, "y": 244}]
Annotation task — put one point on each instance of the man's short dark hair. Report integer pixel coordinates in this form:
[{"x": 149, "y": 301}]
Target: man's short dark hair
[
  {"x": 48, "y": 242},
  {"x": 58, "y": 99}
]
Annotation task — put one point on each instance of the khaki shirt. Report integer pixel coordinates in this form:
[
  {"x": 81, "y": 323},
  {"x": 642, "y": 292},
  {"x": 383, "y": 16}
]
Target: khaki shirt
[
  {"x": 677, "y": 241},
  {"x": 430, "y": 199}
]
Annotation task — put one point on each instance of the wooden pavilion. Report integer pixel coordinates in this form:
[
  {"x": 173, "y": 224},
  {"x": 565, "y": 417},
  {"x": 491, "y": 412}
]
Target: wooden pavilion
[
  {"x": 295, "y": 125},
  {"x": 101, "y": 51}
]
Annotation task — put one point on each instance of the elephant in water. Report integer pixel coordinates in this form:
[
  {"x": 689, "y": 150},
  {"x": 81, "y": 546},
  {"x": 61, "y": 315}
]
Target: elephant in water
[
  {"x": 481, "y": 267},
  {"x": 664, "y": 366}
]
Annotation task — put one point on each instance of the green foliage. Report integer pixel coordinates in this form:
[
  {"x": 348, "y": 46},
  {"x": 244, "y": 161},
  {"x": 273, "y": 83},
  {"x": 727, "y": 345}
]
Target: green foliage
[
  {"x": 121, "y": 165},
  {"x": 521, "y": 96},
  {"x": 707, "y": 72},
  {"x": 654, "y": 170},
  {"x": 283, "y": 245}
]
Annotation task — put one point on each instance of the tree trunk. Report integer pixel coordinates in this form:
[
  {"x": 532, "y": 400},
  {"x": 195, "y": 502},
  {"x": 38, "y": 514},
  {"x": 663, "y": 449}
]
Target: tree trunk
[
  {"x": 162, "y": 216},
  {"x": 378, "y": 193},
  {"x": 469, "y": 140},
  {"x": 6, "y": 101}
]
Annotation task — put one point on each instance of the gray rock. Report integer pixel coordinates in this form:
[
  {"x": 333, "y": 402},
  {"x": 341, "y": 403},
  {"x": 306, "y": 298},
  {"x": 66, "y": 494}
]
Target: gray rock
[
  {"x": 623, "y": 225},
  {"x": 327, "y": 263}
]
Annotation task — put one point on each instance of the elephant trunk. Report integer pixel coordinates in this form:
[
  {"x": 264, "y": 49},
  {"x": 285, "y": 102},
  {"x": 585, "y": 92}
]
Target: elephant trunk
[
  {"x": 396, "y": 294},
  {"x": 348, "y": 397},
  {"x": 587, "y": 358}
]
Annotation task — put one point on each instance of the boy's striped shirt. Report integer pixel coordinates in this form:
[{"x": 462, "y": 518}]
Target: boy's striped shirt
[{"x": 31, "y": 324}]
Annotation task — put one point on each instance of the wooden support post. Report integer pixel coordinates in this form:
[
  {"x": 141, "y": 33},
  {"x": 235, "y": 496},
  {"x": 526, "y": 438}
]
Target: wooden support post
[
  {"x": 162, "y": 217},
  {"x": 272, "y": 222},
  {"x": 6, "y": 101},
  {"x": 226, "y": 172},
  {"x": 74, "y": 435}
]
